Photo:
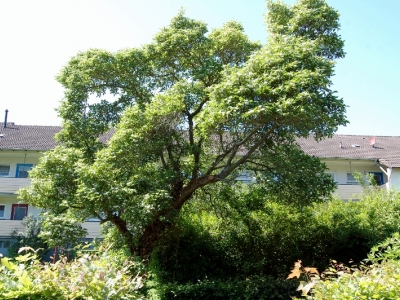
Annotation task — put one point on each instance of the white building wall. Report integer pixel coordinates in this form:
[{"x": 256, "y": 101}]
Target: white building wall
[
  {"x": 340, "y": 170},
  {"x": 351, "y": 190},
  {"x": 12, "y": 158},
  {"x": 8, "y": 201},
  {"x": 395, "y": 178}
]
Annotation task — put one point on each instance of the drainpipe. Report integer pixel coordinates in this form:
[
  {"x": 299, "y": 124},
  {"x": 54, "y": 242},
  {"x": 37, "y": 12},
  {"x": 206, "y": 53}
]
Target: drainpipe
[{"x": 388, "y": 173}]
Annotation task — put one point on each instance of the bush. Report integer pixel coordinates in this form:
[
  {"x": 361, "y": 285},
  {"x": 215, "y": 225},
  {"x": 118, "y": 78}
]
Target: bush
[
  {"x": 255, "y": 287},
  {"x": 61, "y": 230},
  {"x": 387, "y": 250},
  {"x": 30, "y": 236},
  {"x": 240, "y": 234},
  {"x": 381, "y": 280},
  {"x": 90, "y": 276}
]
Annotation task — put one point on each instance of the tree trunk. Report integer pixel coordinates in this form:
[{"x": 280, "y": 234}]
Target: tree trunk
[
  {"x": 123, "y": 229},
  {"x": 153, "y": 231},
  {"x": 150, "y": 237}
]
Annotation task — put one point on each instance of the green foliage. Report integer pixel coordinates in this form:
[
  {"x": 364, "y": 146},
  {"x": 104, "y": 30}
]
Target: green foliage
[
  {"x": 55, "y": 175},
  {"x": 187, "y": 111},
  {"x": 45, "y": 232},
  {"x": 368, "y": 184},
  {"x": 381, "y": 280},
  {"x": 311, "y": 19},
  {"x": 61, "y": 230},
  {"x": 89, "y": 276},
  {"x": 289, "y": 180},
  {"x": 30, "y": 236},
  {"x": 238, "y": 232},
  {"x": 255, "y": 287},
  {"x": 387, "y": 250}
]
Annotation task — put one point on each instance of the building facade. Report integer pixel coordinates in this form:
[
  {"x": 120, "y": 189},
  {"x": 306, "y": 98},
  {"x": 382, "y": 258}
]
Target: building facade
[
  {"x": 346, "y": 154},
  {"x": 20, "y": 150},
  {"x": 21, "y": 147}
]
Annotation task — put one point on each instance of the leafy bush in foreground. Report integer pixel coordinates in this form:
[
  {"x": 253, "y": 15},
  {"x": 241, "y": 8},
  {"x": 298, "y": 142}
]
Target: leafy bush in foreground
[
  {"x": 90, "y": 276},
  {"x": 381, "y": 280},
  {"x": 255, "y": 287}
]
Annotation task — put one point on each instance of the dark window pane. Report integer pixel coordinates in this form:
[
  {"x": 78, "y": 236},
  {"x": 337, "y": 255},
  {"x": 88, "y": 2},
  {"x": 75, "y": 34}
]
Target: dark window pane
[
  {"x": 4, "y": 170},
  {"x": 23, "y": 171},
  {"x": 378, "y": 179},
  {"x": 19, "y": 213}
]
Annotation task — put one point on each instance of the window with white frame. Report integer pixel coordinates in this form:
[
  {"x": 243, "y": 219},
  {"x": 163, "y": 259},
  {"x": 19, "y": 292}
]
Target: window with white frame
[
  {"x": 4, "y": 171},
  {"x": 2, "y": 209},
  {"x": 351, "y": 179}
]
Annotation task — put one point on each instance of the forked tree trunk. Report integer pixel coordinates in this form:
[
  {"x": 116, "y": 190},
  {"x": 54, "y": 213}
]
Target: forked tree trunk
[
  {"x": 153, "y": 231},
  {"x": 147, "y": 242}
]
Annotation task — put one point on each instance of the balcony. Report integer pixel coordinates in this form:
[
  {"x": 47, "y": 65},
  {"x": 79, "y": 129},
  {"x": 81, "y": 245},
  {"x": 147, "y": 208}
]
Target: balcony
[
  {"x": 352, "y": 191},
  {"x": 93, "y": 229},
  {"x": 348, "y": 191},
  {"x": 7, "y": 226},
  {"x": 9, "y": 185}
]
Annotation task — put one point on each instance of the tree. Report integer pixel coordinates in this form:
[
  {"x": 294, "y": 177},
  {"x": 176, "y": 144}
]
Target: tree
[{"x": 188, "y": 110}]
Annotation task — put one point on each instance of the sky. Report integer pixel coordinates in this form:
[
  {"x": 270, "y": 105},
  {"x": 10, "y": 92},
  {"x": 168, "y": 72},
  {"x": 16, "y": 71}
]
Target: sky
[{"x": 39, "y": 37}]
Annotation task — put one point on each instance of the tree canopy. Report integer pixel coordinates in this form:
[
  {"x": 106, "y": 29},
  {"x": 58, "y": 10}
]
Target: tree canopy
[{"x": 144, "y": 129}]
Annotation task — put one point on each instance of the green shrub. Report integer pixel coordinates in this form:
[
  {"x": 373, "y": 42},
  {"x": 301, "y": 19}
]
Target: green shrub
[
  {"x": 387, "y": 250},
  {"x": 29, "y": 236},
  {"x": 255, "y": 287},
  {"x": 61, "y": 230},
  {"x": 381, "y": 280},
  {"x": 89, "y": 276},
  {"x": 237, "y": 234}
]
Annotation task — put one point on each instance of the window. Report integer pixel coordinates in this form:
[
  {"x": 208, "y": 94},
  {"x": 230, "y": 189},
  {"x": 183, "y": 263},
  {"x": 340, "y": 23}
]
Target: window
[
  {"x": 4, "y": 171},
  {"x": 332, "y": 175},
  {"x": 19, "y": 211},
  {"x": 351, "y": 179},
  {"x": 2, "y": 209},
  {"x": 378, "y": 177},
  {"x": 22, "y": 170},
  {"x": 4, "y": 244}
]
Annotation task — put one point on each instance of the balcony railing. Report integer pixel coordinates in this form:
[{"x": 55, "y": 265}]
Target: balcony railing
[
  {"x": 9, "y": 185},
  {"x": 348, "y": 191},
  {"x": 7, "y": 226},
  {"x": 93, "y": 229},
  {"x": 351, "y": 191}
]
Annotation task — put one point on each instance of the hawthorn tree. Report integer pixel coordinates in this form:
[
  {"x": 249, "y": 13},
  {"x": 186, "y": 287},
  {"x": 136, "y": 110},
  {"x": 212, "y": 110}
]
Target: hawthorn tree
[{"x": 144, "y": 129}]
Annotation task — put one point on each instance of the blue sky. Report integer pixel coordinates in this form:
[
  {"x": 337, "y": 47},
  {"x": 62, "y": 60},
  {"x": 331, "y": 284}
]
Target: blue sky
[{"x": 38, "y": 38}]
